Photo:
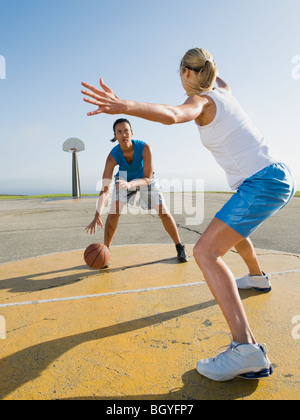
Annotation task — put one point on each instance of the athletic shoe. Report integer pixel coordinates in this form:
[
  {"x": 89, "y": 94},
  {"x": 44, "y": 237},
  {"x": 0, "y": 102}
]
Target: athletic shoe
[
  {"x": 248, "y": 361},
  {"x": 107, "y": 266},
  {"x": 257, "y": 283},
  {"x": 181, "y": 253}
]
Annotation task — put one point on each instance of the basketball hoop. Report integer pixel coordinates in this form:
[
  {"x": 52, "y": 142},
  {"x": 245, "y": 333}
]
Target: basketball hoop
[{"x": 73, "y": 146}]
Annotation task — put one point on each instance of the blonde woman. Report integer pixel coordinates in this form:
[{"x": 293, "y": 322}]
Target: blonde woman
[{"x": 263, "y": 184}]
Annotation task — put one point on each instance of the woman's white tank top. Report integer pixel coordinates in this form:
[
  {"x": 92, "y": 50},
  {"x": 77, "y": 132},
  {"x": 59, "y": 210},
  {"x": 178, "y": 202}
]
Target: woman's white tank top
[{"x": 237, "y": 145}]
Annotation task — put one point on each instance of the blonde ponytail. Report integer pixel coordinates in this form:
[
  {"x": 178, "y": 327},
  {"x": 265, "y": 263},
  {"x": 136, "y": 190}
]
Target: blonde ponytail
[{"x": 201, "y": 62}]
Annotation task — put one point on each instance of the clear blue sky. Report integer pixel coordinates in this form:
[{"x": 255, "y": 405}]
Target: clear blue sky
[{"x": 50, "y": 46}]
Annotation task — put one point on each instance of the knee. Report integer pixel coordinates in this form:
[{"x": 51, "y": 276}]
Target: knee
[
  {"x": 203, "y": 254},
  {"x": 165, "y": 217},
  {"x": 198, "y": 251},
  {"x": 164, "y": 213}
]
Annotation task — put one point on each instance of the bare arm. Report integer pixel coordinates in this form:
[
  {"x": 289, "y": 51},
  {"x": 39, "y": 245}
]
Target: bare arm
[
  {"x": 223, "y": 85},
  {"x": 167, "y": 114},
  {"x": 104, "y": 194},
  {"x": 108, "y": 103},
  {"x": 148, "y": 169},
  {"x": 106, "y": 183}
]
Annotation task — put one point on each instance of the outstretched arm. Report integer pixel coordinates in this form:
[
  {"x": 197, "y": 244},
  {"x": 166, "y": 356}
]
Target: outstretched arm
[
  {"x": 109, "y": 103},
  {"x": 223, "y": 85}
]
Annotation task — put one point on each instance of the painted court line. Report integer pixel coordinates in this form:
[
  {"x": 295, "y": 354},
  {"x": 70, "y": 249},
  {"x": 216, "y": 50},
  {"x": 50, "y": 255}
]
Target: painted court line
[
  {"x": 124, "y": 292},
  {"x": 285, "y": 272}
]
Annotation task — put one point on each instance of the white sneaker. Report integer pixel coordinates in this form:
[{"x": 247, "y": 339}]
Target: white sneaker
[
  {"x": 249, "y": 361},
  {"x": 257, "y": 283}
]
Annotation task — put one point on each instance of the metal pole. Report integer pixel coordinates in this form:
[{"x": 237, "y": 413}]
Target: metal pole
[{"x": 75, "y": 176}]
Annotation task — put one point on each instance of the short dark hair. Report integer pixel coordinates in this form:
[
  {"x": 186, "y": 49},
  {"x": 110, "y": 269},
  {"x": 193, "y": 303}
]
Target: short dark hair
[{"x": 119, "y": 121}]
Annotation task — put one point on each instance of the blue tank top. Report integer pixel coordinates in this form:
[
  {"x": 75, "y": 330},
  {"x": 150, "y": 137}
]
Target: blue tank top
[{"x": 134, "y": 170}]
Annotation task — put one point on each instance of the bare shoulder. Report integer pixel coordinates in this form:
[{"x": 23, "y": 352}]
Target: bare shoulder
[
  {"x": 110, "y": 165},
  {"x": 196, "y": 99},
  {"x": 147, "y": 149},
  {"x": 209, "y": 111},
  {"x": 111, "y": 161}
]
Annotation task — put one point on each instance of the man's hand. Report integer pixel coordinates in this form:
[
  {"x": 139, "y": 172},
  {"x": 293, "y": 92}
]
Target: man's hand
[
  {"x": 122, "y": 185},
  {"x": 92, "y": 227}
]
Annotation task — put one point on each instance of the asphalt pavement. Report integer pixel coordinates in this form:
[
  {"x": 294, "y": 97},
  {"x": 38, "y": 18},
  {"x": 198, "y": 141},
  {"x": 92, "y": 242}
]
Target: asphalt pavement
[{"x": 35, "y": 227}]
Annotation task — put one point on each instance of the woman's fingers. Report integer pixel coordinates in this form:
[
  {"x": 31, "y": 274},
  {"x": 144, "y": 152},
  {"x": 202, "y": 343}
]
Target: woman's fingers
[
  {"x": 98, "y": 111},
  {"x": 106, "y": 100},
  {"x": 104, "y": 87},
  {"x": 94, "y": 92},
  {"x": 90, "y": 87}
]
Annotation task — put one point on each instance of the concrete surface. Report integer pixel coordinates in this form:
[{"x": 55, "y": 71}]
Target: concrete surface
[
  {"x": 136, "y": 330},
  {"x": 38, "y": 227}
]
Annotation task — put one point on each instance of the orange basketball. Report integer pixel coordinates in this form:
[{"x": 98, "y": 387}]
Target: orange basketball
[{"x": 97, "y": 256}]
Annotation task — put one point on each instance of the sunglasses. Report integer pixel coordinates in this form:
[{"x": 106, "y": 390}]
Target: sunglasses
[{"x": 190, "y": 68}]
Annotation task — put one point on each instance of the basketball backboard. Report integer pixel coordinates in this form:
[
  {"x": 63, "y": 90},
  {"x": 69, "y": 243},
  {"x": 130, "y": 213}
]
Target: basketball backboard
[{"x": 73, "y": 145}]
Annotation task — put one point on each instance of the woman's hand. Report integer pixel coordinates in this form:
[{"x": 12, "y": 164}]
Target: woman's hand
[
  {"x": 122, "y": 185},
  {"x": 92, "y": 227},
  {"x": 106, "y": 100}
]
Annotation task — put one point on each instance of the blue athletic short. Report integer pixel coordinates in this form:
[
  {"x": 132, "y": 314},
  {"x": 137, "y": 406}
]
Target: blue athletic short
[{"x": 258, "y": 198}]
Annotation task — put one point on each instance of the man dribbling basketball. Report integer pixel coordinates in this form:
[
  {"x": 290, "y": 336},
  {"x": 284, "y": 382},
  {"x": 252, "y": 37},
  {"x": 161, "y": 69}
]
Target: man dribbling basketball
[{"x": 134, "y": 158}]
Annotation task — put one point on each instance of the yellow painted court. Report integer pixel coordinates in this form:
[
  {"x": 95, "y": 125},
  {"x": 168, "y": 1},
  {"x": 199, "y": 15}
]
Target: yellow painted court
[{"x": 137, "y": 330}]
